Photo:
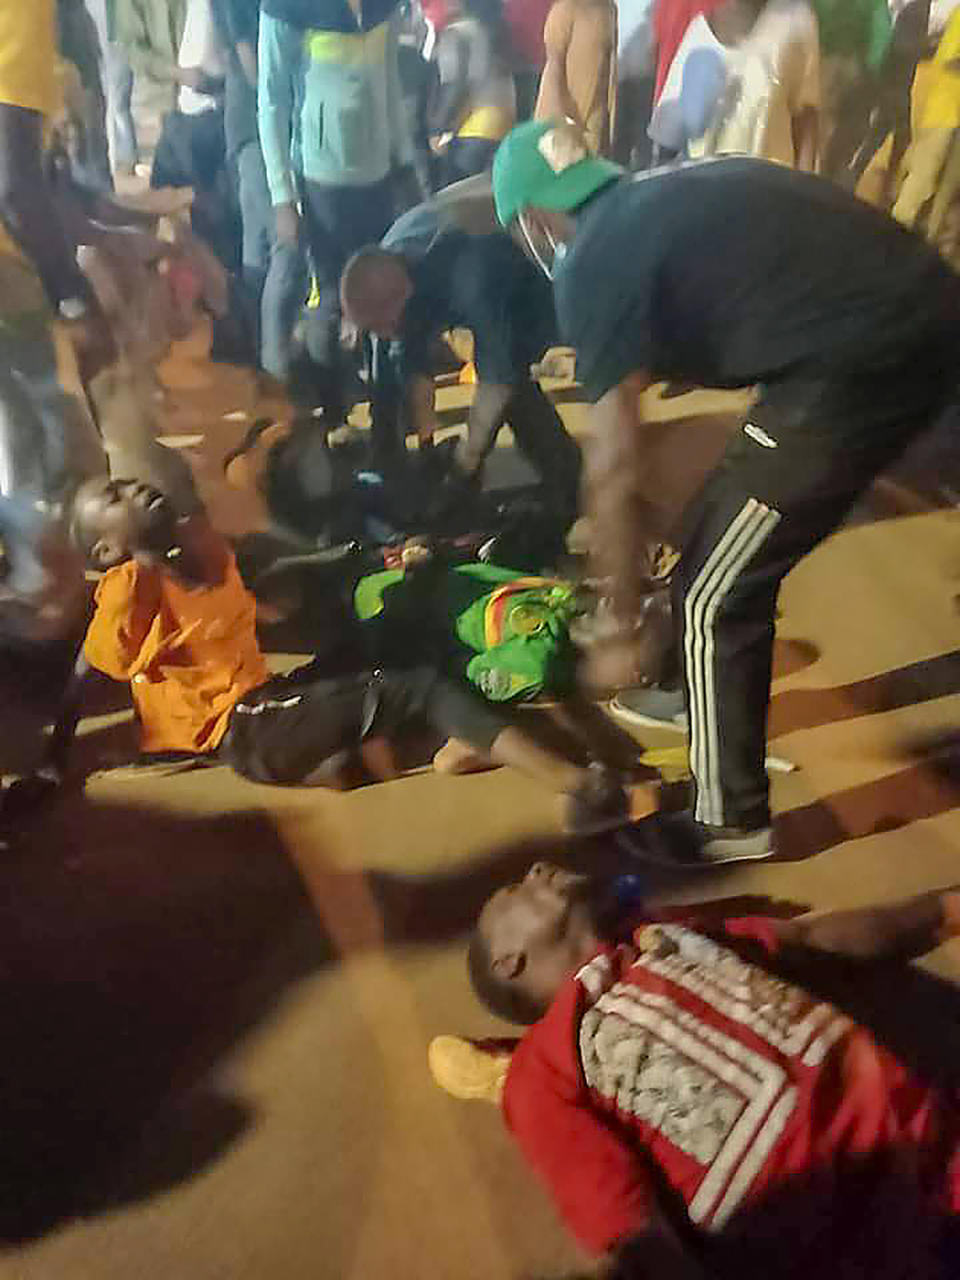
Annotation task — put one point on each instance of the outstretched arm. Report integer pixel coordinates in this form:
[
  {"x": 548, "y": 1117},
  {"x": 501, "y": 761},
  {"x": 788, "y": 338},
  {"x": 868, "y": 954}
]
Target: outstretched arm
[
  {"x": 897, "y": 931},
  {"x": 64, "y": 730},
  {"x": 25, "y": 797},
  {"x": 486, "y": 414},
  {"x": 626, "y": 527}
]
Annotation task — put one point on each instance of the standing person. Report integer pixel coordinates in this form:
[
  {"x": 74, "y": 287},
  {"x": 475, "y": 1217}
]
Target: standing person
[
  {"x": 333, "y": 132},
  {"x": 420, "y": 282},
  {"x": 937, "y": 131},
  {"x": 745, "y": 80},
  {"x": 475, "y": 105},
  {"x": 46, "y": 443},
  {"x": 671, "y": 18},
  {"x": 80, "y": 43},
  {"x": 579, "y": 81},
  {"x": 636, "y": 66},
  {"x": 525, "y": 20},
  {"x": 117, "y": 76},
  {"x": 150, "y": 32},
  {"x": 854, "y": 336},
  {"x": 854, "y": 38},
  {"x": 274, "y": 273},
  {"x": 695, "y": 1112},
  {"x": 894, "y": 105}
]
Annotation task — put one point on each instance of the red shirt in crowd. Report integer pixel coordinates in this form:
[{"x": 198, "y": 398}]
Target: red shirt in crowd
[{"x": 678, "y": 1053}]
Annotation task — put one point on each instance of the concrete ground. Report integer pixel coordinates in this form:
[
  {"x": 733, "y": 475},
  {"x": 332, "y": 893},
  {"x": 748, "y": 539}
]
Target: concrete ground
[{"x": 218, "y": 997}]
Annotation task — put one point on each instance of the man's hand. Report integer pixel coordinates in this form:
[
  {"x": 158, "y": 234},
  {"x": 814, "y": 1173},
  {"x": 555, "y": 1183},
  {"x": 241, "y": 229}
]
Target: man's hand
[
  {"x": 466, "y": 459},
  {"x": 28, "y": 796},
  {"x": 191, "y": 78},
  {"x": 288, "y": 224}
]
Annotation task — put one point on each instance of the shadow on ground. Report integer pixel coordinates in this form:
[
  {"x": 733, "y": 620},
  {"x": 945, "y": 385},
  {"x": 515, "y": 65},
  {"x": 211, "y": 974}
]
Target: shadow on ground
[
  {"x": 135, "y": 947},
  {"x": 915, "y": 683}
]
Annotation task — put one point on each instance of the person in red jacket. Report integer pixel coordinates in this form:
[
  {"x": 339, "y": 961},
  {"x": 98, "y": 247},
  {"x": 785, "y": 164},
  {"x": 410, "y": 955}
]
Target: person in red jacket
[{"x": 694, "y": 1113}]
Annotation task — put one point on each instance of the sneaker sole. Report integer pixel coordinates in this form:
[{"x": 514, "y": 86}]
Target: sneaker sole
[
  {"x": 647, "y": 722},
  {"x": 654, "y": 850}
]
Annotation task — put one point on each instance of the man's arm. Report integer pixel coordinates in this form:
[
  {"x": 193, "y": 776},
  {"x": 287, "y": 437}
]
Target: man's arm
[
  {"x": 447, "y": 107},
  {"x": 554, "y": 101},
  {"x": 239, "y": 20},
  {"x": 65, "y": 729},
  {"x": 420, "y": 406},
  {"x": 486, "y": 414},
  {"x": 27, "y": 795},
  {"x": 806, "y": 139},
  {"x": 806, "y": 99},
  {"x": 625, "y": 527},
  {"x": 278, "y": 60},
  {"x": 896, "y": 931},
  {"x": 401, "y": 140},
  {"x": 133, "y": 34}
]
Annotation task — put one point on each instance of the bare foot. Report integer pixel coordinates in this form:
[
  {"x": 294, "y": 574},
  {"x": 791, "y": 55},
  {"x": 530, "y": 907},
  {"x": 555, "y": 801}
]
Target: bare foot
[{"x": 456, "y": 757}]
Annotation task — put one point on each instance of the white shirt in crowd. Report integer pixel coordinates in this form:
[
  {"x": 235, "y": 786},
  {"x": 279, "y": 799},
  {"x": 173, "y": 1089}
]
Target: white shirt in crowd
[
  {"x": 741, "y": 99},
  {"x": 941, "y": 11},
  {"x": 199, "y": 47}
]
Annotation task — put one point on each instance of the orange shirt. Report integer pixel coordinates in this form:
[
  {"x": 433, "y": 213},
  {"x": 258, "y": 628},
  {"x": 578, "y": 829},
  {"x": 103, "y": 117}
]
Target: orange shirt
[{"x": 190, "y": 654}]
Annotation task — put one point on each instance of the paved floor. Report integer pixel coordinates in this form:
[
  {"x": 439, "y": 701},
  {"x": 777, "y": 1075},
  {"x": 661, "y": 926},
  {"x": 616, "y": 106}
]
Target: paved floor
[{"x": 218, "y": 996}]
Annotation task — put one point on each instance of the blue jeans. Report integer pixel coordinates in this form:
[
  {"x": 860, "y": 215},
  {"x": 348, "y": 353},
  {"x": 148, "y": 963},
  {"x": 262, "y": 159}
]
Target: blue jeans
[
  {"x": 274, "y": 274},
  {"x": 118, "y": 86}
]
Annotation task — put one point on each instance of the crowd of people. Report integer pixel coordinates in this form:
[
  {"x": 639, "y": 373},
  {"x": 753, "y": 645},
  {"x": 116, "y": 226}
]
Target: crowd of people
[{"x": 676, "y": 190}]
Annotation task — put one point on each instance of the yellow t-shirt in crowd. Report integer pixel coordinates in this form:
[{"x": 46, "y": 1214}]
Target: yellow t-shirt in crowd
[
  {"x": 28, "y": 66},
  {"x": 941, "y": 109},
  {"x": 190, "y": 654}
]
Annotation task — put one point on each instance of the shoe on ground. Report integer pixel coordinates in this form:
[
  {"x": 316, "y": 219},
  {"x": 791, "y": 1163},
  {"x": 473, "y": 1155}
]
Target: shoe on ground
[
  {"x": 472, "y": 1070},
  {"x": 651, "y": 707},
  {"x": 600, "y": 804},
  {"x": 677, "y": 841}
]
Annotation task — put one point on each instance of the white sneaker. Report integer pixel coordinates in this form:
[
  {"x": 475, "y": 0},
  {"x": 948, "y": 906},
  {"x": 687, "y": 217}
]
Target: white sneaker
[{"x": 652, "y": 708}]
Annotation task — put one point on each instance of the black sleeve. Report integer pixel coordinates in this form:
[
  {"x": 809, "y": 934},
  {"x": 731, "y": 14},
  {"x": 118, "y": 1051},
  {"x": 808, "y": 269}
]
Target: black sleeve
[
  {"x": 241, "y": 19},
  {"x": 508, "y": 306},
  {"x": 606, "y": 313}
]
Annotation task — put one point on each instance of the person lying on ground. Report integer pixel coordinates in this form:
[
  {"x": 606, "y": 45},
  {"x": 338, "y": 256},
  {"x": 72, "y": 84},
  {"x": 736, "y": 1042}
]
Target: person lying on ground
[
  {"x": 175, "y": 620},
  {"x": 693, "y": 1113}
]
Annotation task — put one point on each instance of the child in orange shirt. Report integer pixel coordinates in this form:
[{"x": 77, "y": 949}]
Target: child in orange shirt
[{"x": 175, "y": 620}]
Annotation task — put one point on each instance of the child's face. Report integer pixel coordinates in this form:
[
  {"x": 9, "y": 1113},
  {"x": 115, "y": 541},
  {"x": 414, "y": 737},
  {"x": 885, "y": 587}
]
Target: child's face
[{"x": 125, "y": 518}]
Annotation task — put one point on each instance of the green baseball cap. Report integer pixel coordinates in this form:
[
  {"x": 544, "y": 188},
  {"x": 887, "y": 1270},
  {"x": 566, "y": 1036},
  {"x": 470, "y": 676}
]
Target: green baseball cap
[{"x": 546, "y": 163}]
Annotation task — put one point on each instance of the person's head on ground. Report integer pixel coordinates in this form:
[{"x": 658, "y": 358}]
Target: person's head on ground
[
  {"x": 117, "y": 520},
  {"x": 530, "y": 938},
  {"x": 374, "y": 291},
  {"x": 543, "y": 175}
]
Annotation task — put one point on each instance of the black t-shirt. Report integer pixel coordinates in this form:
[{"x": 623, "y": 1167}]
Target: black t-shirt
[
  {"x": 737, "y": 271},
  {"x": 238, "y": 22},
  {"x": 484, "y": 284}
]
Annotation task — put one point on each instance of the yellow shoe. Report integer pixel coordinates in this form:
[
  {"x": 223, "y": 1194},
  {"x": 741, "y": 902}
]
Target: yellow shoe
[{"x": 469, "y": 1069}]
